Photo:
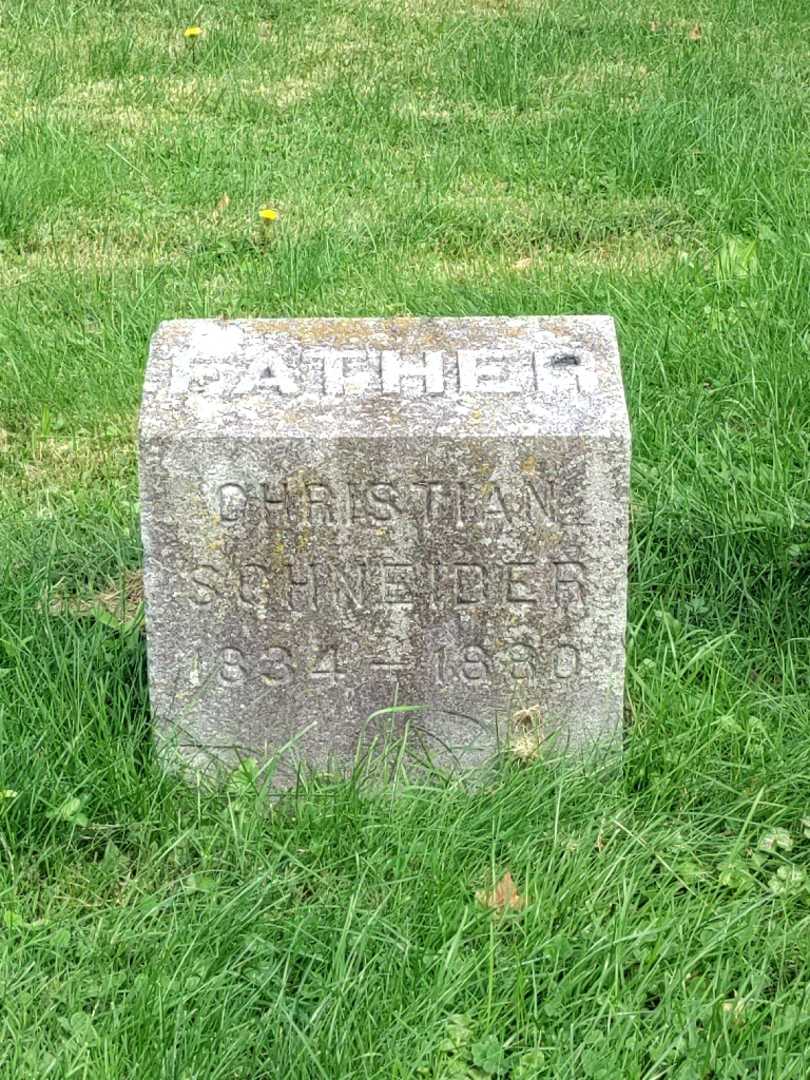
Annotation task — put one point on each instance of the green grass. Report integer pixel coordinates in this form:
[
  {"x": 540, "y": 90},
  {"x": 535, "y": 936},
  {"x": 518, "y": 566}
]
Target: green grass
[{"x": 491, "y": 157}]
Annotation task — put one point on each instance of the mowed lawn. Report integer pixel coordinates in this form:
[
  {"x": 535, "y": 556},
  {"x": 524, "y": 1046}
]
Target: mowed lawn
[{"x": 645, "y": 160}]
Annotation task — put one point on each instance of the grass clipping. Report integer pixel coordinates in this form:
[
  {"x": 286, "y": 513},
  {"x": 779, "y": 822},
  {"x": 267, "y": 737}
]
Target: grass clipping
[{"x": 527, "y": 735}]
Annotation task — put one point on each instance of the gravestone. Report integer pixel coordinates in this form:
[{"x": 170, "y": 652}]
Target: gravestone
[{"x": 357, "y": 526}]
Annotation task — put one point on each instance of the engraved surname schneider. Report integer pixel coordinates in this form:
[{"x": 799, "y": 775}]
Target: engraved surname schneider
[{"x": 551, "y": 584}]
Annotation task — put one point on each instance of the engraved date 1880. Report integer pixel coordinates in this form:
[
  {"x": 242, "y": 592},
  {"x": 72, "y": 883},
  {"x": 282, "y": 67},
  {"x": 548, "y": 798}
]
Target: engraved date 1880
[{"x": 518, "y": 662}]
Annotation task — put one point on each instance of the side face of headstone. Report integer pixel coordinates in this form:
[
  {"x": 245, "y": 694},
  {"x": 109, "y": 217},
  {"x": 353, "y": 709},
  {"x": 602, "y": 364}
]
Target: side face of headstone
[{"x": 343, "y": 516}]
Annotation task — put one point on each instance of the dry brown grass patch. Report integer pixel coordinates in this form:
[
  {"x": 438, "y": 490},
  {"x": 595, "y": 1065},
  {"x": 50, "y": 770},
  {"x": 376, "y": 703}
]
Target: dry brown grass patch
[
  {"x": 628, "y": 253},
  {"x": 121, "y": 600},
  {"x": 59, "y": 466},
  {"x": 439, "y": 8}
]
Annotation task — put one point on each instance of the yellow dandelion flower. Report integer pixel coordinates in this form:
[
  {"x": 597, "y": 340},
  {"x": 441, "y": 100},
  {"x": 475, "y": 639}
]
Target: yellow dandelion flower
[
  {"x": 192, "y": 32},
  {"x": 268, "y": 214}
]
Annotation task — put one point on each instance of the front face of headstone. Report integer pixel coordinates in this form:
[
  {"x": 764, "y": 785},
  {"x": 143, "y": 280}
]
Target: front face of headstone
[{"x": 345, "y": 516}]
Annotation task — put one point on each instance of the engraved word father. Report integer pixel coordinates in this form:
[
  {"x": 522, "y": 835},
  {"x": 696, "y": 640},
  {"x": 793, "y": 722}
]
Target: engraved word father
[{"x": 336, "y": 372}]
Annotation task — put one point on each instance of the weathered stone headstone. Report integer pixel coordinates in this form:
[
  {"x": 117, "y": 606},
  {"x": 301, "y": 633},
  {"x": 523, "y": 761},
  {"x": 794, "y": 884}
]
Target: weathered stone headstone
[{"x": 344, "y": 515}]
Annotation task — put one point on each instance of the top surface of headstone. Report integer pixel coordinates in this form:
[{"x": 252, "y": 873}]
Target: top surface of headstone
[{"x": 369, "y": 377}]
